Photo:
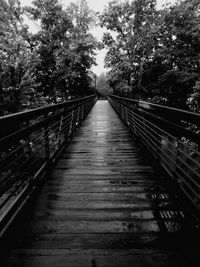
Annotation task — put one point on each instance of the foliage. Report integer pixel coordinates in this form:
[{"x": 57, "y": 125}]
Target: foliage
[
  {"x": 66, "y": 48},
  {"x": 13, "y": 49},
  {"x": 194, "y": 99},
  {"x": 132, "y": 45},
  {"x": 155, "y": 52},
  {"x": 177, "y": 86},
  {"x": 52, "y": 64}
]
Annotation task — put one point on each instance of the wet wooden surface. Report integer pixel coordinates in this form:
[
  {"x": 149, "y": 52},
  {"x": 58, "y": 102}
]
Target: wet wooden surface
[{"x": 104, "y": 205}]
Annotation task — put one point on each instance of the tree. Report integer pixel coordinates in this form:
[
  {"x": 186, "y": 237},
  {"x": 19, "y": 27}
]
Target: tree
[
  {"x": 65, "y": 47},
  {"x": 13, "y": 50},
  {"x": 52, "y": 41},
  {"x": 153, "y": 52},
  {"x": 178, "y": 52},
  {"x": 82, "y": 47},
  {"x": 133, "y": 46},
  {"x": 55, "y": 62},
  {"x": 116, "y": 18}
]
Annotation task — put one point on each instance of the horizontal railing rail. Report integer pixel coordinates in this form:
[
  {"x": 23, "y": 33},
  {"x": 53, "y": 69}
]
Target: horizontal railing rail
[
  {"x": 171, "y": 135},
  {"x": 29, "y": 142}
]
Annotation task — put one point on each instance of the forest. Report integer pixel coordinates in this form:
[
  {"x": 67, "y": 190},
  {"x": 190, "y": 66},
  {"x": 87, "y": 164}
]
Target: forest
[
  {"x": 50, "y": 65},
  {"x": 155, "y": 54},
  {"x": 152, "y": 54}
]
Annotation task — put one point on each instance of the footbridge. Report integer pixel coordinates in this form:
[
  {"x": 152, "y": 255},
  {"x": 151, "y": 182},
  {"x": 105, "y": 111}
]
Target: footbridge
[{"x": 100, "y": 183}]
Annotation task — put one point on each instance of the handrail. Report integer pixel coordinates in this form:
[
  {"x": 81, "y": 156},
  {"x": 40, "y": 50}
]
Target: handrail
[
  {"x": 174, "y": 114},
  {"x": 29, "y": 142},
  {"x": 175, "y": 121},
  {"x": 167, "y": 134},
  {"x": 10, "y": 121}
]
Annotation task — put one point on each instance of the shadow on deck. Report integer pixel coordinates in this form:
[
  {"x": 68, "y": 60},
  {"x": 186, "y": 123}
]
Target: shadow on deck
[{"x": 105, "y": 204}]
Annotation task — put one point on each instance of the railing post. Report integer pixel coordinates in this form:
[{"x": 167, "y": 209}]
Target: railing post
[
  {"x": 46, "y": 139},
  {"x": 134, "y": 122},
  {"x": 122, "y": 110},
  {"x": 79, "y": 115},
  {"x": 59, "y": 131},
  {"x": 28, "y": 141},
  {"x": 177, "y": 160},
  {"x": 82, "y": 111},
  {"x": 71, "y": 123}
]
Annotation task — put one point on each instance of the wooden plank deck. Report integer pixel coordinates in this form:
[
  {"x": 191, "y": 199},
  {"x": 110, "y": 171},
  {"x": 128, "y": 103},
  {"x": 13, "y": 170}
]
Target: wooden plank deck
[{"x": 104, "y": 205}]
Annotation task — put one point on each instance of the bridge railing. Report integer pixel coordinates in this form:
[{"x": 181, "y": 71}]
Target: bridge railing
[
  {"x": 171, "y": 135},
  {"x": 29, "y": 142}
]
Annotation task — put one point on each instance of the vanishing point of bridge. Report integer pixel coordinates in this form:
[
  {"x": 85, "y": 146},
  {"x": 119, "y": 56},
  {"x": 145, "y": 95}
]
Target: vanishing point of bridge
[{"x": 112, "y": 193}]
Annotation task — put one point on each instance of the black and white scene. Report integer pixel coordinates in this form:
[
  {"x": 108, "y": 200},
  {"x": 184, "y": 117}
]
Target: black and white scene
[{"x": 99, "y": 133}]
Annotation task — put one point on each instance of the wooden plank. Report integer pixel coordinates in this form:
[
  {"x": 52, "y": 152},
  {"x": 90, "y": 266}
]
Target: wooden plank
[
  {"x": 90, "y": 215},
  {"x": 104, "y": 204},
  {"x": 113, "y": 258}
]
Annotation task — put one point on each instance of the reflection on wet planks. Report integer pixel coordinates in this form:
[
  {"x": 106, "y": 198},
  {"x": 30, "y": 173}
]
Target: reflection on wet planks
[{"x": 105, "y": 205}]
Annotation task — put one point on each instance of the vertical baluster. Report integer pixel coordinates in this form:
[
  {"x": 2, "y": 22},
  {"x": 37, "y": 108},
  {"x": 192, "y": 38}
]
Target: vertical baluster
[
  {"x": 46, "y": 139},
  {"x": 28, "y": 141},
  {"x": 79, "y": 115},
  {"x": 82, "y": 112},
  {"x": 66, "y": 123},
  {"x": 59, "y": 131},
  {"x": 127, "y": 114},
  {"x": 122, "y": 110},
  {"x": 134, "y": 122},
  {"x": 76, "y": 118},
  {"x": 29, "y": 151},
  {"x": 71, "y": 123}
]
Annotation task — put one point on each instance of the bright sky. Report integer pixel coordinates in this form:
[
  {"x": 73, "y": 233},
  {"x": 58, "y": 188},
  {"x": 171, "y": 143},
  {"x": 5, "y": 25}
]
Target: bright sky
[{"x": 96, "y": 5}]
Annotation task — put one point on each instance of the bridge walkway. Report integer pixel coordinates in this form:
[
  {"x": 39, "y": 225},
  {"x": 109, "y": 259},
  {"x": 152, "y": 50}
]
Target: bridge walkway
[{"x": 105, "y": 205}]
